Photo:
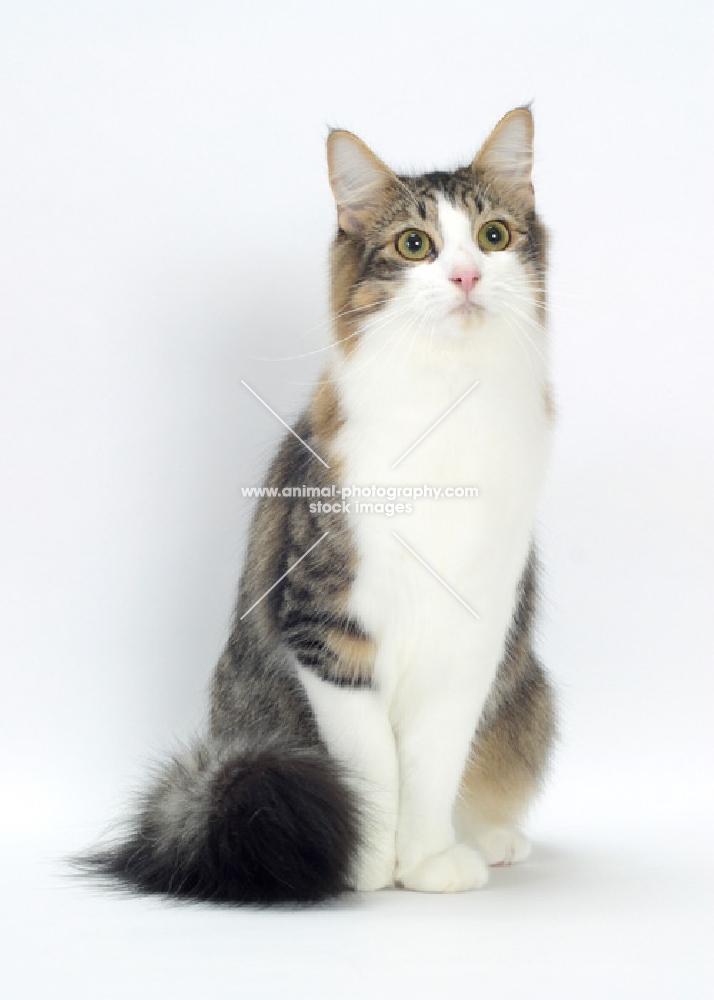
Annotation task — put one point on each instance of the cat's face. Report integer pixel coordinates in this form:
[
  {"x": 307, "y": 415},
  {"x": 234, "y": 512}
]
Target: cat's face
[{"x": 445, "y": 251}]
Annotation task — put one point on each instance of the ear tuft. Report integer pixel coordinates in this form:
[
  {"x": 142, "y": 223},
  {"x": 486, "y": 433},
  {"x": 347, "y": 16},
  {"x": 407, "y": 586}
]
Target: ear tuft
[
  {"x": 358, "y": 179},
  {"x": 508, "y": 151}
]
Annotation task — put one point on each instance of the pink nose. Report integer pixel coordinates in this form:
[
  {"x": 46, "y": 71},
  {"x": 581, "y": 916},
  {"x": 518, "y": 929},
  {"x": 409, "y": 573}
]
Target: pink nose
[{"x": 465, "y": 278}]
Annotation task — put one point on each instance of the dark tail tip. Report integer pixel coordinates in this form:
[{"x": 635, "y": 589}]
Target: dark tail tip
[{"x": 271, "y": 826}]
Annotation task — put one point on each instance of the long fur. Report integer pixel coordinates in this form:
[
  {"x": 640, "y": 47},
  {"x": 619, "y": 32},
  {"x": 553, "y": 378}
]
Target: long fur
[
  {"x": 344, "y": 652},
  {"x": 239, "y": 825}
]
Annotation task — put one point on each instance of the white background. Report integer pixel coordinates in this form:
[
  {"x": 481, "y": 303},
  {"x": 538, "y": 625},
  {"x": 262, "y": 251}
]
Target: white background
[{"x": 164, "y": 223}]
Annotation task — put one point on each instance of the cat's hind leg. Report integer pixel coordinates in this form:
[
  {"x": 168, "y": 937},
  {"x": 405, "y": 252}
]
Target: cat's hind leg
[{"x": 508, "y": 758}]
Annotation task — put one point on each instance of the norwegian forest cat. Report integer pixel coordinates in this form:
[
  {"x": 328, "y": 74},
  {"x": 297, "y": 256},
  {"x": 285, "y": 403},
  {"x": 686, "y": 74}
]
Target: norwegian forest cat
[{"x": 378, "y": 717}]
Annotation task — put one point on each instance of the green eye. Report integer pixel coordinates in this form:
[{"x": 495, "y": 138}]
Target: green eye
[
  {"x": 494, "y": 236},
  {"x": 413, "y": 244}
]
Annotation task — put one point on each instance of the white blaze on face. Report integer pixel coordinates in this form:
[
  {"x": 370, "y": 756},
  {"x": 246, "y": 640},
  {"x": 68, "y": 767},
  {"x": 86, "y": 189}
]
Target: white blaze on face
[
  {"x": 497, "y": 282},
  {"x": 459, "y": 250}
]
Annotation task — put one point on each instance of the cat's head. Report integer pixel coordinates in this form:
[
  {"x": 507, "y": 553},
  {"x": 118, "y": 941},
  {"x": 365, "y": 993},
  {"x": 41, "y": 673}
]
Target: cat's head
[{"x": 449, "y": 249}]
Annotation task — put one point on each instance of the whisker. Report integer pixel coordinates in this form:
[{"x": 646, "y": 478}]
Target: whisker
[
  {"x": 519, "y": 319},
  {"x": 329, "y": 323},
  {"x": 368, "y": 331}
]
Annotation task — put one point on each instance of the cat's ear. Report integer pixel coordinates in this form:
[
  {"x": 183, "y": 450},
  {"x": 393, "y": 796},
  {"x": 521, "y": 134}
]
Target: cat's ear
[
  {"x": 507, "y": 154},
  {"x": 358, "y": 180}
]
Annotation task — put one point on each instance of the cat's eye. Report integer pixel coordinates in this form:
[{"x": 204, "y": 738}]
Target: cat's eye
[
  {"x": 414, "y": 244},
  {"x": 494, "y": 236}
]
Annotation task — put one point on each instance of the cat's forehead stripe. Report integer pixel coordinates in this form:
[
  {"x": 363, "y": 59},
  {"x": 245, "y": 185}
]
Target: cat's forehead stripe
[
  {"x": 461, "y": 188},
  {"x": 454, "y": 224}
]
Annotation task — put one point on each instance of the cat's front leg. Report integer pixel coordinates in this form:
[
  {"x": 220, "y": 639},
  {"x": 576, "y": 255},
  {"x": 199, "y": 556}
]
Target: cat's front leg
[{"x": 433, "y": 739}]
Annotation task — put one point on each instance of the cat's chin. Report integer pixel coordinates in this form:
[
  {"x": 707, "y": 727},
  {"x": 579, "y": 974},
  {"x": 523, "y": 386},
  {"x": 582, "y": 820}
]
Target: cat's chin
[{"x": 468, "y": 315}]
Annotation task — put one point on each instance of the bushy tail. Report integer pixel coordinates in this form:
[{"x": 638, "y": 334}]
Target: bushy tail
[{"x": 230, "y": 824}]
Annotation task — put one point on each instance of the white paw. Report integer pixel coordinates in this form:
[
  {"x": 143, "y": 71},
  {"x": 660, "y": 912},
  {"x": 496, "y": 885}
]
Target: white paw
[
  {"x": 503, "y": 845},
  {"x": 373, "y": 874},
  {"x": 455, "y": 870}
]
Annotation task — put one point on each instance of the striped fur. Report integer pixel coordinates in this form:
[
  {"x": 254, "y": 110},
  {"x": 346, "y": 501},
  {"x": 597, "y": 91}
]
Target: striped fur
[{"x": 272, "y": 804}]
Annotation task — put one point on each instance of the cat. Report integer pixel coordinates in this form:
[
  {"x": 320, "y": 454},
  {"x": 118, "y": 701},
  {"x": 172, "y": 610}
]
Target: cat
[{"x": 379, "y": 717}]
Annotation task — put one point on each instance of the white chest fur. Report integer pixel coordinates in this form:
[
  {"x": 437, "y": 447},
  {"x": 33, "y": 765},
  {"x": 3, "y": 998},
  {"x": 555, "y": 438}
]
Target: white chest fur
[
  {"x": 436, "y": 587},
  {"x": 494, "y": 439}
]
